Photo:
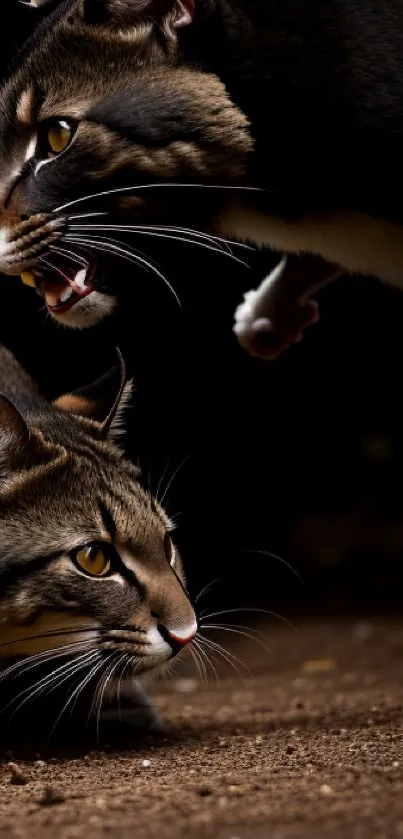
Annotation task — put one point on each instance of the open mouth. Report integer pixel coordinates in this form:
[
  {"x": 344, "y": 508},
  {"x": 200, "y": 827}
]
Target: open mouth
[{"x": 64, "y": 287}]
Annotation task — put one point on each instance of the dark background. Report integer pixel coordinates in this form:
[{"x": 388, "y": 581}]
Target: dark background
[{"x": 302, "y": 457}]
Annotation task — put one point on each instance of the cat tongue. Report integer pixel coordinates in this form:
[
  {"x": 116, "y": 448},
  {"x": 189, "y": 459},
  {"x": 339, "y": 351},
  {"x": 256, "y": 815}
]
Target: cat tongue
[{"x": 54, "y": 288}]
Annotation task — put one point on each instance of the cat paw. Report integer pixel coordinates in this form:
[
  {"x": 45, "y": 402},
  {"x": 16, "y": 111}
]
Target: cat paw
[
  {"x": 265, "y": 338},
  {"x": 133, "y": 711},
  {"x": 273, "y": 317}
]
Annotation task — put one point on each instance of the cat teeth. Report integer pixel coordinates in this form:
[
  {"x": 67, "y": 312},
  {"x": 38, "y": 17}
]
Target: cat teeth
[
  {"x": 80, "y": 278},
  {"x": 66, "y": 294}
]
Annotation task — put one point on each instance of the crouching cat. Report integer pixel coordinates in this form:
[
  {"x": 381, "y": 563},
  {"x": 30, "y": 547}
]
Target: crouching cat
[{"x": 92, "y": 588}]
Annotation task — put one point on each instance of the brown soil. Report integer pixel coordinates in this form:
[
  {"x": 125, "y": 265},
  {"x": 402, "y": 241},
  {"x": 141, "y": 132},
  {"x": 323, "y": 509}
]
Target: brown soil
[{"x": 311, "y": 746}]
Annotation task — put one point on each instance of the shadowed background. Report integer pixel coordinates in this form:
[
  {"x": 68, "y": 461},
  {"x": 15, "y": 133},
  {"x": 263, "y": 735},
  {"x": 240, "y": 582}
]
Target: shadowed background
[{"x": 301, "y": 458}]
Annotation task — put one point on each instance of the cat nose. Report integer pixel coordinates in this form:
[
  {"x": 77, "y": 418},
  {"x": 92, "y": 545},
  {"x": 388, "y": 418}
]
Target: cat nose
[{"x": 178, "y": 638}]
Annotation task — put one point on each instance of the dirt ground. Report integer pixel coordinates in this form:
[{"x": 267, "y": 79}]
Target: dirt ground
[{"x": 310, "y": 746}]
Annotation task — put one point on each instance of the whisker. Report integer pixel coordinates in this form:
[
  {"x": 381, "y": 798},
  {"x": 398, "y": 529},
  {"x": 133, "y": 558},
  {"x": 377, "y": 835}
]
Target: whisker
[
  {"x": 199, "y": 661},
  {"x": 138, "y": 187},
  {"x": 30, "y": 662},
  {"x": 161, "y": 480},
  {"x": 177, "y": 470},
  {"x": 47, "y": 681},
  {"x": 113, "y": 247},
  {"x": 169, "y": 236},
  {"x": 199, "y": 234},
  {"x": 237, "y": 631},
  {"x": 127, "y": 658},
  {"x": 104, "y": 682},
  {"x": 71, "y": 255},
  {"x": 204, "y": 591},
  {"x": 77, "y": 690},
  {"x": 206, "y": 658},
  {"x": 50, "y": 265},
  {"x": 87, "y": 215},
  {"x": 228, "y": 656},
  {"x": 53, "y": 633},
  {"x": 249, "y": 609},
  {"x": 272, "y": 555},
  {"x": 208, "y": 587}
]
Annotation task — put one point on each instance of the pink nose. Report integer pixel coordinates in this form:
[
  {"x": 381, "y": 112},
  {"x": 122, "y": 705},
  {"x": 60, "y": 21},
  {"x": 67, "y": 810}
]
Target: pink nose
[{"x": 184, "y": 636}]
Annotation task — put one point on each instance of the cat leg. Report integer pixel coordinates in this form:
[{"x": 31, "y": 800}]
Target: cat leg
[
  {"x": 131, "y": 708},
  {"x": 273, "y": 317}
]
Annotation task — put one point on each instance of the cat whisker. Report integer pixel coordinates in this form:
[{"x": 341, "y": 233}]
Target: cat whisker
[
  {"x": 210, "y": 237},
  {"x": 272, "y": 555},
  {"x": 168, "y": 236},
  {"x": 161, "y": 480},
  {"x": 71, "y": 255},
  {"x": 74, "y": 695},
  {"x": 50, "y": 265},
  {"x": 175, "y": 474},
  {"x": 126, "y": 253},
  {"x": 199, "y": 662},
  {"x": 30, "y": 662},
  {"x": 53, "y": 633},
  {"x": 208, "y": 587},
  {"x": 247, "y": 633},
  {"x": 55, "y": 678},
  {"x": 127, "y": 658},
  {"x": 198, "y": 233},
  {"x": 206, "y": 659},
  {"x": 250, "y": 610},
  {"x": 228, "y": 656},
  {"x": 204, "y": 591},
  {"x": 87, "y": 215},
  {"x": 138, "y": 187},
  {"x": 111, "y": 666}
]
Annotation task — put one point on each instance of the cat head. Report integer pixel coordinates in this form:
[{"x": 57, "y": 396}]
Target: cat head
[
  {"x": 101, "y": 104},
  {"x": 88, "y": 567}
]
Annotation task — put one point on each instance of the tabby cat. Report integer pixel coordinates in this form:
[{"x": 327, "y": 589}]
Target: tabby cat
[
  {"x": 91, "y": 583},
  {"x": 278, "y": 123}
]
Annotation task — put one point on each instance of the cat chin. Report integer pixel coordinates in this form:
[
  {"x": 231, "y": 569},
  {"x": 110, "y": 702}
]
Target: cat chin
[{"x": 87, "y": 312}]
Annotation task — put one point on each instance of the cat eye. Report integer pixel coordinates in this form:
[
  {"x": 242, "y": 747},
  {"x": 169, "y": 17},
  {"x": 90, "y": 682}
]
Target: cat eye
[
  {"x": 55, "y": 137},
  {"x": 169, "y": 550},
  {"x": 92, "y": 560}
]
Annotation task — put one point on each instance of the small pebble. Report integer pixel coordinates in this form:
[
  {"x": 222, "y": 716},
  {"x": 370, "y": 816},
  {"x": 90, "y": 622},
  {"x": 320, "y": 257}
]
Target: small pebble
[
  {"x": 146, "y": 764},
  {"x": 325, "y": 789},
  {"x": 18, "y": 777}
]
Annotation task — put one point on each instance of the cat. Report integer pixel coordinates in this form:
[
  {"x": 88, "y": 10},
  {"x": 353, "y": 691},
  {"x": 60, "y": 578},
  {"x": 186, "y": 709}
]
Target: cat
[
  {"x": 91, "y": 583},
  {"x": 279, "y": 124}
]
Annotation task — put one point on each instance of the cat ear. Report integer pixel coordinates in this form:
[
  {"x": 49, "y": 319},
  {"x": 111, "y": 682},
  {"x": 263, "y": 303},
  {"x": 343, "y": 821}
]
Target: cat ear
[
  {"x": 178, "y": 13},
  {"x": 104, "y": 401},
  {"x": 14, "y": 433},
  {"x": 19, "y": 448}
]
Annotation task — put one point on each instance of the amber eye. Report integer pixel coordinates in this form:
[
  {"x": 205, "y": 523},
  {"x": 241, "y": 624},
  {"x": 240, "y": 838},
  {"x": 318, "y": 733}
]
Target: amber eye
[
  {"x": 92, "y": 560},
  {"x": 59, "y": 136},
  {"x": 169, "y": 550}
]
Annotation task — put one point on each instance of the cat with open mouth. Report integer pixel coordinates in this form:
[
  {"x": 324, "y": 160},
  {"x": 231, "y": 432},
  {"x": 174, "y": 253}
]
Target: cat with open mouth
[{"x": 125, "y": 122}]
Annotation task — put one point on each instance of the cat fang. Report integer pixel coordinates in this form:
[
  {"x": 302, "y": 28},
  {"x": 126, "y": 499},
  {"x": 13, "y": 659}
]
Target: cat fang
[
  {"x": 69, "y": 294},
  {"x": 62, "y": 292}
]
